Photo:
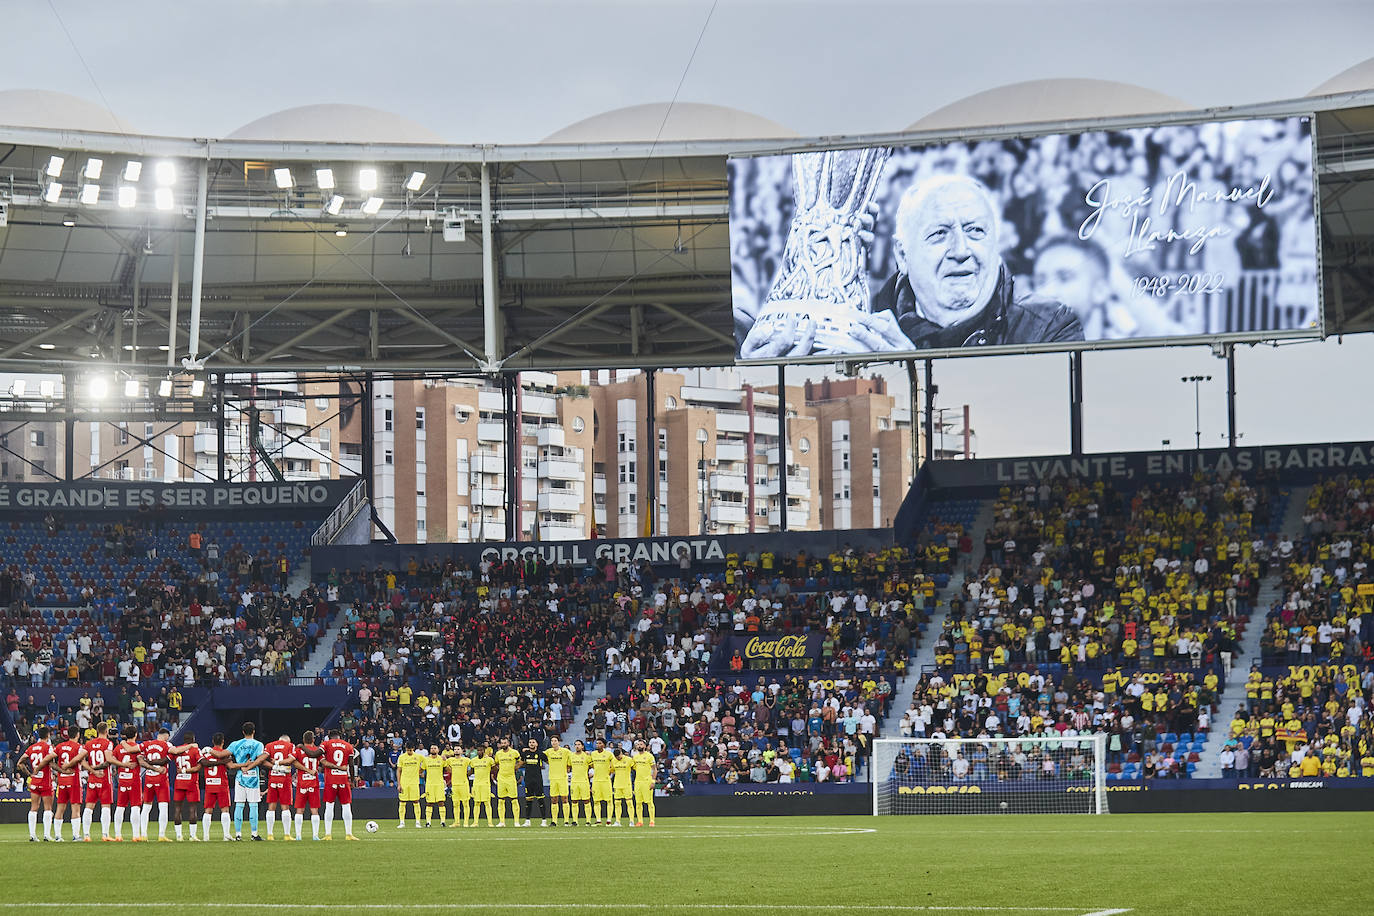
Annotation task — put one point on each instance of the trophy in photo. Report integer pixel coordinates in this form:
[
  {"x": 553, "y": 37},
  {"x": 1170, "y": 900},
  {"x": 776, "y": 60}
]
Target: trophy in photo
[{"x": 823, "y": 275}]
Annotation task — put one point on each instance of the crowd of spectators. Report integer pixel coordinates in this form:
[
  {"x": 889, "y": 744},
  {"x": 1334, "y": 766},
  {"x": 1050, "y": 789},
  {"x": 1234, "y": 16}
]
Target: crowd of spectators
[
  {"x": 1087, "y": 576},
  {"x": 1321, "y": 612},
  {"x": 1313, "y": 722}
]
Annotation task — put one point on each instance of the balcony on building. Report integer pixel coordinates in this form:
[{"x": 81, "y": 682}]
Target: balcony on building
[
  {"x": 729, "y": 513},
  {"x": 549, "y": 436},
  {"x": 540, "y": 405},
  {"x": 491, "y": 431},
  {"x": 491, "y": 399},
  {"x": 560, "y": 469},
  {"x": 731, "y": 451},
  {"x": 560, "y": 501},
  {"x": 487, "y": 496},
  {"x": 573, "y": 528},
  {"x": 796, "y": 518},
  {"x": 729, "y": 483},
  {"x": 599, "y": 484}
]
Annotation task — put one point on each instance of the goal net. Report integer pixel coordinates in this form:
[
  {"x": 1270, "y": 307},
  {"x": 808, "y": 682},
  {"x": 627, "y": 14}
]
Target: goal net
[{"x": 1040, "y": 775}]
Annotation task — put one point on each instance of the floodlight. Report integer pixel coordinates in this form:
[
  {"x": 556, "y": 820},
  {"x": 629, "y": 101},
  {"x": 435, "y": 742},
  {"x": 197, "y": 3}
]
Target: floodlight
[
  {"x": 367, "y": 179},
  {"x": 283, "y": 177},
  {"x": 371, "y": 206},
  {"x": 335, "y": 205},
  {"x": 164, "y": 388},
  {"x": 166, "y": 172},
  {"x": 69, "y": 219},
  {"x": 52, "y": 192},
  {"x": 90, "y": 194},
  {"x": 18, "y": 388},
  {"x": 128, "y": 196},
  {"x": 162, "y": 198},
  {"x": 100, "y": 386},
  {"x": 416, "y": 181},
  {"x": 341, "y": 230},
  {"x": 47, "y": 346},
  {"x": 55, "y": 164},
  {"x": 197, "y": 387},
  {"x": 131, "y": 388},
  {"x": 324, "y": 178},
  {"x": 46, "y": 388},
  {"x": 133, "y": 169},
  {"x": 93, "y": 168}
]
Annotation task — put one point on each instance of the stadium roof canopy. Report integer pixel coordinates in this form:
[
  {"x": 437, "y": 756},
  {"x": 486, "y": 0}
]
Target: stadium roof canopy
[{"x": 606, "y": 248}]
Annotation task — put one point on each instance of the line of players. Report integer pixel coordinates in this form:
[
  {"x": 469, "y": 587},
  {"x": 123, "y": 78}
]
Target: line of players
[
  {"x": 131, "y": 776},
  {"x": 577, "y": 777}
]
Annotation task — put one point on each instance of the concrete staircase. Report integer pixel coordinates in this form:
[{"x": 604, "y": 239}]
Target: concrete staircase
[
  {"x": 590, "y": 697},
  {"x": 1248, "y": 652},
  {"x": 925, "y": 652}
]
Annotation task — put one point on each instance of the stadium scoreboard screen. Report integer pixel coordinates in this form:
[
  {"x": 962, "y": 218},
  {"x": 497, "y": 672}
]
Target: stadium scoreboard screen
[{"x": 1181, "y": 233}]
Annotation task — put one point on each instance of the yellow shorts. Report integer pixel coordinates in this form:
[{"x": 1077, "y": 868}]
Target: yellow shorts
[
  {"x": 434, "y": 799},
  {"x": 601, "y": 792},
  {"x": 580, "y": 791},
  {"x": 410, "y": 793},
  {"x": 644, "y": 795},
  {"x": 460, "y": 797},
  {"x": 621, "y": 793},
  {"x": 506, "y": 789},
  {"x": 558, "y": 788},
  {"x": 481, "y": 796}
]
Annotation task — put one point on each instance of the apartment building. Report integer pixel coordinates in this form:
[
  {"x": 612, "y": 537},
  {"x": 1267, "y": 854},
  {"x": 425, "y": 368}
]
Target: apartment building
[{"x": 715, "y": 460}]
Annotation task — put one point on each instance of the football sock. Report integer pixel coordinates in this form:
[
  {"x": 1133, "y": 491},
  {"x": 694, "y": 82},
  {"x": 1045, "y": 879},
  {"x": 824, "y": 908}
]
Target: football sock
[
  {"x": 178, "y": 831},
  {"x": 47, "y": 824},
  {"x": 104, "y": 820},
  {"x": 118, "y": 823},
  {"x": 328, "y": 818},
  {"x": 76, "y": 826},
  {"x": 401, "y": 811},
  {"x": 145, "y": 818},
  {"x": 161, "y": 819},
  {"x": 348, "y": 819},
  {"x": 253, "y": 816},
  {"x": 314, "y": 824},
  {"x": 299, "y": 818},
  {"x": 271, "y": 821},
  {"x": 238, "y": 819},
  {"x": 224, "y": 822},
  {"x": 193, "y": 824},
  {"x": 33, "y": 824},
  {"x": 86, "y": 822},
  {"x": 205, "y": 822}
]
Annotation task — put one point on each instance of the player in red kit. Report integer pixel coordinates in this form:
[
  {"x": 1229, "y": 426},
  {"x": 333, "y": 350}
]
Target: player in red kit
[
  {"x": 68, "y": 756},
  {"x": 281, "y": 755},
  {"x": 308, "y": 756},
  {"x": 36, "y": 764},
  {"x": 128, "y": 786},
  {"x": 186, "y": 785},
  {"x": 99, "y": 781},
  {"x": 156, "y": 758},
  {"x": 212, "y": 764},
  {"x": 337, "y": 763}
]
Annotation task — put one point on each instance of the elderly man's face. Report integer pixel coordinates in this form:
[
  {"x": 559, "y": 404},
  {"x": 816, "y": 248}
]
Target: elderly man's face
[{"x": 949, "y": 249}]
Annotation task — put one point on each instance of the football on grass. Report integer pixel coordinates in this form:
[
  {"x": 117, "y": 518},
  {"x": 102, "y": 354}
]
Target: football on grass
[{"x": 371, "y": 827}]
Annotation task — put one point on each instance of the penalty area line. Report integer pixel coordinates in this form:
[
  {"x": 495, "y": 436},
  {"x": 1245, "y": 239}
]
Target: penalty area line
[{"x": 809, "y": 907}]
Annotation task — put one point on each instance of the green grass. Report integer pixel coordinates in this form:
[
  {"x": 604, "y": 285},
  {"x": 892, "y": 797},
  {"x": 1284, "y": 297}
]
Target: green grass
[{"x": 1149, "y": 864}]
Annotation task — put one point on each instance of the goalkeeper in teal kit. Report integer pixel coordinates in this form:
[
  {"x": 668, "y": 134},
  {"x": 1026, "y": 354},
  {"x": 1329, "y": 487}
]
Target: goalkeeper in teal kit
[{"x": 248, "y": 754}]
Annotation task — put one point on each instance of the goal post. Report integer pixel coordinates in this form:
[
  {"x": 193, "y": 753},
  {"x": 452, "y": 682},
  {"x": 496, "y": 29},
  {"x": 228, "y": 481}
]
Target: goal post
[{"x": 1030, "y": 775}]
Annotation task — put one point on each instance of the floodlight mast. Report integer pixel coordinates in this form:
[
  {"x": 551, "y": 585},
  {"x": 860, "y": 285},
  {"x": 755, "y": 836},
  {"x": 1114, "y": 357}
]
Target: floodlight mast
[{"x": 193, "y": 362}]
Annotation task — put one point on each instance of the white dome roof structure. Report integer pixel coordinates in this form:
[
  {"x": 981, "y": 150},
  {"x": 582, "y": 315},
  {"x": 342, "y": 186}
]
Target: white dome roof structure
[
  {"x": 335, "y": 123},
  {"x": 55, "y": 111},
  {"x": 1049, "y": 100},
  {"x": 1352, "y": 79},
  {"x": 686, "y": 121}
]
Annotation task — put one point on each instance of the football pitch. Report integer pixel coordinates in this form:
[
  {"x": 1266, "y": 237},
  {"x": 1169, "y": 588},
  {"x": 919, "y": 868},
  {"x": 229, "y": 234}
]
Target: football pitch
[{"x": 1055, "y": 865}]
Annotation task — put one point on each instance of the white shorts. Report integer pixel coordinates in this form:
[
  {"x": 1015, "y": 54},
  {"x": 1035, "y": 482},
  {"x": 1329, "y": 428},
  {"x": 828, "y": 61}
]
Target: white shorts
[{"x": 245, "y": 794}]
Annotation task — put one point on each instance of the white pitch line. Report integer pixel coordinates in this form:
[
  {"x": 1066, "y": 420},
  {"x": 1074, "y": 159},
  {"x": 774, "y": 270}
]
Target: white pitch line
[{"x": 824, "y": 907}]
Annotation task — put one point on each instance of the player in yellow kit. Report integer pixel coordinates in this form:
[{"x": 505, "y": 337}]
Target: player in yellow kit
[
  {"x": 481, "y": 784},
  {"x": 557, "y": 757},
  {"x": 601, "y": 783},
  {"x": 580, "y": 790},
  {"x": 408, "y": 767},
  {"x": 646, "y": 769},
  {"x": 460, "y": 788},
  {"x": 622, "y": 793},
  {"x": 435, "y": 767},
  {"x": 507, "y": 760}
]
